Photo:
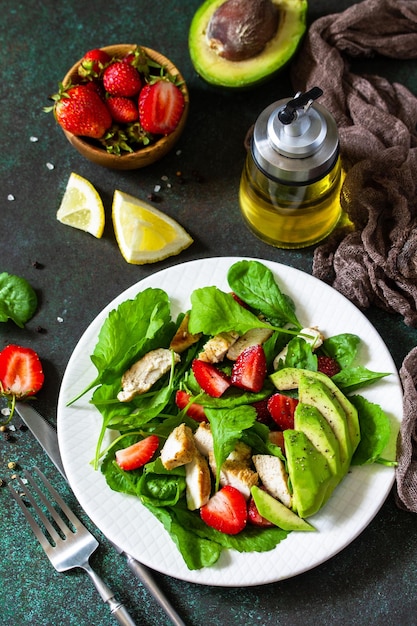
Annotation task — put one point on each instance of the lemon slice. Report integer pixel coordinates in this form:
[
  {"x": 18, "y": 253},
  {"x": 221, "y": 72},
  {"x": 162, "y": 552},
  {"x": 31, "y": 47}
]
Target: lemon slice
[
  {"x": 81, "y": 206},
  {"x": 144, "y": 234}
]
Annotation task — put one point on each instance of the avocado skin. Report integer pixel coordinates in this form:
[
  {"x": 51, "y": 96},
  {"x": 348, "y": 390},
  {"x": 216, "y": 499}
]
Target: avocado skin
[
  {"x": 309, "y": 473},
  {"x": 289, "y": 378},
  {"x": 244, "y": 74}
]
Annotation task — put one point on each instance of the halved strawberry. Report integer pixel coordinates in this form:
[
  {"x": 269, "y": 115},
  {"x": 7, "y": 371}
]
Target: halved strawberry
[
  {"x": 137, "y": 454},
  {"x": 195, "y": 411},
  {"x": 249, "y": 369},
  {"x": 327, "y": 365},
  {"x": 254, "y": 517},
  {"x": 21, "y": 373},
  {"x": 211, "y": 380},
  {"x": 226, "y": 511},
  {"x": 281, "y": 408},
  {"x": 160, "y": 107}
]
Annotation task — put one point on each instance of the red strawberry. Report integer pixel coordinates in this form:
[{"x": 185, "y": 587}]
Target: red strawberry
[
  {"x": 93, "y": 62},
  {"x": 21, "y": 372},
  {"x": 327, "y": 365},
  {"x": 160, "y": 107},
  {"x": 238, "y": 300},
  {"x": 138, "y": 454},
  {"x": 79, "y": 110},
  {"x": 122, "y": 79},
  {"x": 123, "y": 110},
  {"x": 210, "y": 378},
  {"x": 281, "y": 408},
  {"x": 254, "y": 517},
  {"x": 195, "y": 411},
  {"x": 226, "y": 511},
  {"x": 249, "y": 369},
  {"x": 262, "y": 413}
]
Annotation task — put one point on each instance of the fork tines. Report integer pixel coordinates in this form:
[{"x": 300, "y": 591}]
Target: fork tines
[{"x": 56, "y": 533}]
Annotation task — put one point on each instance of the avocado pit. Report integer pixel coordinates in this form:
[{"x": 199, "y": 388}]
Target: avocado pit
[{"x": 240, "y": 29}]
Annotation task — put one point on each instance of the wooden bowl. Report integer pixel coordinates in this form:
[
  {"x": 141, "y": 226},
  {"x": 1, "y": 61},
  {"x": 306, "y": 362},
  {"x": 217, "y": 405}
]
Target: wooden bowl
[{"x": 146, "y": 155}]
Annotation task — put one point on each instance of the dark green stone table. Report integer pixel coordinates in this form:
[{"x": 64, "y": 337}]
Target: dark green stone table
[{"x": 374, "y": 580}]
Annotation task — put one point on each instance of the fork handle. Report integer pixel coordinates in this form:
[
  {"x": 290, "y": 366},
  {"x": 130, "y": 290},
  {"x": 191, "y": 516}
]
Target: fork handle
[{"x": 117, "y": 609}]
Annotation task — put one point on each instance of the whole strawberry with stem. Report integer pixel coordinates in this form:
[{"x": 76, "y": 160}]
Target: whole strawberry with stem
[
  {"x": 93, "y": 63},
  {"x": 80, "y": 110}
]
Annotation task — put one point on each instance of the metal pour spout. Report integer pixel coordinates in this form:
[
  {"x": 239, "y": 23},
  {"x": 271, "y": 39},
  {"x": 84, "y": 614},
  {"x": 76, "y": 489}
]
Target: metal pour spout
[{"x": 302, "y": 101}]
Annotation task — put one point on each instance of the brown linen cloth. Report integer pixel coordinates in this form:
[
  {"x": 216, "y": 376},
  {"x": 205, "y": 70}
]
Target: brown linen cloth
[{"x": 374, "y": 261}]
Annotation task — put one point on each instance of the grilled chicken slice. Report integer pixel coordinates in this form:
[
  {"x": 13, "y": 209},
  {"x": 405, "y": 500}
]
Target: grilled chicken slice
[
  {"x": 179, "y": 448},
  {"x": 216, "y": 348},
  {"x": 272, "y": 474},
  {"x": 253, "y": 337},
  {"x": 146, "y": 372},
  {"x": 198, "y": 482},
  {"x": 183, "y": 339}
]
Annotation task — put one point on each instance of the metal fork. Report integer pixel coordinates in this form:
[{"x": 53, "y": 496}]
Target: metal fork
[{"x": 66, "y": 542}]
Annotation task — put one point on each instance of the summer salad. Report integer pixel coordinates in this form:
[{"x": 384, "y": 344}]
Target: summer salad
[{"x": 235, "y": 424}]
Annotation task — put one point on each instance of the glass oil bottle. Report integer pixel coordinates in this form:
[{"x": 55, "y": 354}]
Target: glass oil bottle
[{"x": 290, "y": 186}]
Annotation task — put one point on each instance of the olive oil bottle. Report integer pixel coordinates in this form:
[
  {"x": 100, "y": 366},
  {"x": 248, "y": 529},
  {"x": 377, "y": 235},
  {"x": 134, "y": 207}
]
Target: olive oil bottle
[{"x": 290, "y": 186}]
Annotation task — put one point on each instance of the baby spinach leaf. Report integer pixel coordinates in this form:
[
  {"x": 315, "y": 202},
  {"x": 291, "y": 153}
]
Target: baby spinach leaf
[
  {"x": 214, "y": 312},
  {"x": 375, "y": 431},
  {"x": 227, "y": 427},
  {"x": 129, "y": 331},
  {"x": 255, "y": 284},
  {"x": 343, "y": 348},
  {"x": 18, "y": 300},
  {"x": 353, "y": 378}
]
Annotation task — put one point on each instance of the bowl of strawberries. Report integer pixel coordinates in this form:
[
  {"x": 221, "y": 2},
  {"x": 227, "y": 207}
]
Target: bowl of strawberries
[{"x": 122, "y": 106}]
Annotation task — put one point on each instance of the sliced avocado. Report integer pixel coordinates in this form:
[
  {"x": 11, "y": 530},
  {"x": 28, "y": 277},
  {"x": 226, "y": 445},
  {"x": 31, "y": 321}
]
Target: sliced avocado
[
  {"x": 315, "y": 393},
  {"x": 309, "y": 473},
  {"x": 289, "y": 378},
  {"x": 278, "y": 513},
  {"x": 217, "y": 70},
  {"x": 311, "y": 422}
]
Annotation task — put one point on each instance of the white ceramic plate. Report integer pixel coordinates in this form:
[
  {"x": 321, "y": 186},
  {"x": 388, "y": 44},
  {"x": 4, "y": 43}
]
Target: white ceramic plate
[{"x": 127, "y": 523}]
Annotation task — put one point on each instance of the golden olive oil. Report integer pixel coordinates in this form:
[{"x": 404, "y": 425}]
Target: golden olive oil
[
  {"x": 292, "y": 177},
  {"x": 288, "y": 215}
]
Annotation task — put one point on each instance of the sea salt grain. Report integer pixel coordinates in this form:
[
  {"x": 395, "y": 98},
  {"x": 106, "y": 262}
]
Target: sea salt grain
[
  {"x": 157, "y": 188},
  {"x": 60, "y": 319},
  {"x": 50, "y": 166},
  {"x": 33, "y": 139},
  {"x": 10, "y": 197}
]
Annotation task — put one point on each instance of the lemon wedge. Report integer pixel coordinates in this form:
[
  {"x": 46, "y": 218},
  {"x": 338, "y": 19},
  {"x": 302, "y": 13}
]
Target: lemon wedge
[
  {"x": 144, "y": 234},
  {"x": 81, "y": 206}
]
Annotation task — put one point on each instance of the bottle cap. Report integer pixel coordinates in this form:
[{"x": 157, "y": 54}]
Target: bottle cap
[{"x": 295, "y": 141}]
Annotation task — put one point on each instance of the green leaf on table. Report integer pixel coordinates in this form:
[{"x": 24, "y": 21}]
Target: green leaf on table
[{"x": 18, "y": 300}]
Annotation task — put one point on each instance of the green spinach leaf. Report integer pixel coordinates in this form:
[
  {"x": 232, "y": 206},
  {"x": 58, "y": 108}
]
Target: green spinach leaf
[
  {"x": 255, "y": 284},
  {"x": 18, "y": 300}
]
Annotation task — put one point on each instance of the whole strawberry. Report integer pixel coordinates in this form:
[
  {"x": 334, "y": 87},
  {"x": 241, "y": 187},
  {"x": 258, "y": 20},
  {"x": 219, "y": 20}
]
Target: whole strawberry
[
  {"x": 122, "y": 79},
  {"x": 93, "y": 63},
  {"x": 160, "y": 107},
  {"x": 81, "y": 111}
]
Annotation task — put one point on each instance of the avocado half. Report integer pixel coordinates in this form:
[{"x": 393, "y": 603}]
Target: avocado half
[{"x": 277, "y": 52}]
